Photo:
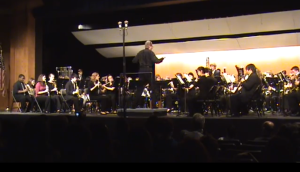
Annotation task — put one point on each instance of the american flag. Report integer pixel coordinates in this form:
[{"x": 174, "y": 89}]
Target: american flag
[{"x": 2, "y": 75}]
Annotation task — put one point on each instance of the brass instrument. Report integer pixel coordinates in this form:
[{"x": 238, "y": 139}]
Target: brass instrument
[{"x": 30, "y": 90}]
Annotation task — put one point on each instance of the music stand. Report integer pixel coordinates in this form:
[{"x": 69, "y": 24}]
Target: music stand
[
  {"x": 162, "y": 85},
  {"x": 281, "y": 80},
  {"x": 274, "y": 83},
  {"x": 62, "y": 83},
  {"x": 182, "y": 83}
]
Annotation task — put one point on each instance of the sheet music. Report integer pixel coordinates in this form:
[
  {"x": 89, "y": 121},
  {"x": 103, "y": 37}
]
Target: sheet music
[
  {"x": 228, "y": 78},
  {"x": 187, "y": 77},
  {"x": 180, "y": 79}
]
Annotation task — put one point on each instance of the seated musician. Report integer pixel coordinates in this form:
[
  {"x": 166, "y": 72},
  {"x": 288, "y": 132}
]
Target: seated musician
[
  {"x": 214, "y": 71},
  {"x": 20, "y": 93},
  {"x": 175, "y": 93},
  {"x": 96, "y": 92},
  {"x": 72, "y": 93},
  {"x": 158, "y": 77},
  {"x": 204, "y": 83},
  {"x": 110, "y": 90},
  {"x": 31, "y": 83},
  {"x": 293, "y": 96},
  {"x": 271, "y": 96},
  {"x": 128, "y": 93},
  {"x": 190, "y": 89},
  {"x": 81, "y": 81},
  {"x": 246, "y": 90},
  {"x": 55, "y": 98},
  {"x": 42, "y": 93}
]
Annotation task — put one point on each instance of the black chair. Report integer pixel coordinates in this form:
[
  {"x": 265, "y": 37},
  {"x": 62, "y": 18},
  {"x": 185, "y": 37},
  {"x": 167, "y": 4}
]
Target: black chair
[
  {"x": 18, "y": 103},
  {"x": 257, "y": 101},
  {"x": 209, "y": 100}
]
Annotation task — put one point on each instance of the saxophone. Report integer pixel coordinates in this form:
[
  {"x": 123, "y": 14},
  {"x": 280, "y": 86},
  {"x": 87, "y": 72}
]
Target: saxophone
[{"x": 77, "y": 90}]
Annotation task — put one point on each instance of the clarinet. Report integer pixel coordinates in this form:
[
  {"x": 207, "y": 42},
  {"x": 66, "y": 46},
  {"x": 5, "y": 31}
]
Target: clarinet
[{"x": 47, "y": 87}]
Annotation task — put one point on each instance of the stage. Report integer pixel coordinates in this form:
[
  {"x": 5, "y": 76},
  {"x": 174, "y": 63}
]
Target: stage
[{"x": 248, "y": 127}]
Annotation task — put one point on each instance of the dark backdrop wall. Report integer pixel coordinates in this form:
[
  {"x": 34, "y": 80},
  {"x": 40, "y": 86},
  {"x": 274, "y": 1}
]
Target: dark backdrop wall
[{"x": 61, "y": 48}]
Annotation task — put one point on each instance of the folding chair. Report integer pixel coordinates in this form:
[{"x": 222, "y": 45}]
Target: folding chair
[
  {"x": 15, "y": 101},
  {"x": 62, "y": 93}
]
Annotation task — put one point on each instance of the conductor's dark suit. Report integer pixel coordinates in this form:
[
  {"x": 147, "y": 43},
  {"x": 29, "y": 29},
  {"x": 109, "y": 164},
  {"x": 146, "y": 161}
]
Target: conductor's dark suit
[
  {"x": 146, "y": 59},
  {"x": 240, "y": 100}
]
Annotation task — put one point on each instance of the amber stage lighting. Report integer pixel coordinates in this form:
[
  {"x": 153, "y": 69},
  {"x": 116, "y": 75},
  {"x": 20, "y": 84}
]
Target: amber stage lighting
[{"x": 266, "y": 59}]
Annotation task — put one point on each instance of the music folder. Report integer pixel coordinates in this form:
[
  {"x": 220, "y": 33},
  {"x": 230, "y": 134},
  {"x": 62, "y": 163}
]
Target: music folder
[{"x": 180, "y": 80}]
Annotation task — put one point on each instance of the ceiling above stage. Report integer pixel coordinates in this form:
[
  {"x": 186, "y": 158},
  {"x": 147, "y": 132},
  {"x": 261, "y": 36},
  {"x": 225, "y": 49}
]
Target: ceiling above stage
[
  {"x": 281, "y": 40},
  {"x": 200, "y": 35}
]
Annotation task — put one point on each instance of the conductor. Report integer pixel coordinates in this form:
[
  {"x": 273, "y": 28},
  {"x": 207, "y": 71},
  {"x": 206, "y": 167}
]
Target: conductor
[{"x": 146, "y": 59}]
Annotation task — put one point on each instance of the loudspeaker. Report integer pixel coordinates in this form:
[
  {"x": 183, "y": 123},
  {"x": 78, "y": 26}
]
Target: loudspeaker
[{"x": 143, "y": 112}]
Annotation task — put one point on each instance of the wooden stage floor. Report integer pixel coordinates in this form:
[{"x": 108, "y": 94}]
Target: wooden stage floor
[{"x": 248, "y": 127}]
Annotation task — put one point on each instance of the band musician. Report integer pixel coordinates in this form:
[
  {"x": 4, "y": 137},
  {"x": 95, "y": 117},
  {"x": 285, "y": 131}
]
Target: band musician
[
  {"x": 146, "y": 59},
  {"x": 214, "y": 71},
  {"x": 55, "y": 98},
  {"x": 72, "y": 91},
  {"x": 293, "y": 96},
  {"x": 81, "y": 81},
  {"x": 176, "y": 92},
  {"x": 110, "y": 90},
  {"x": 96, "y": 92},
  {"x": 190, "y": 89},
  {"x": 204, "y": 83},
  {"x": 31, "y": 83},
  {"x": 20, "y": 93},
  {"x": 246, "y": 90},
  {"x": 42, "y": 93}
]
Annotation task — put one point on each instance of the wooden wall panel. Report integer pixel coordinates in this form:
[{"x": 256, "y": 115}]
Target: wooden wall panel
[
  {"x": 22, "y": 41},
  {"x": 5, "y": 43}
]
